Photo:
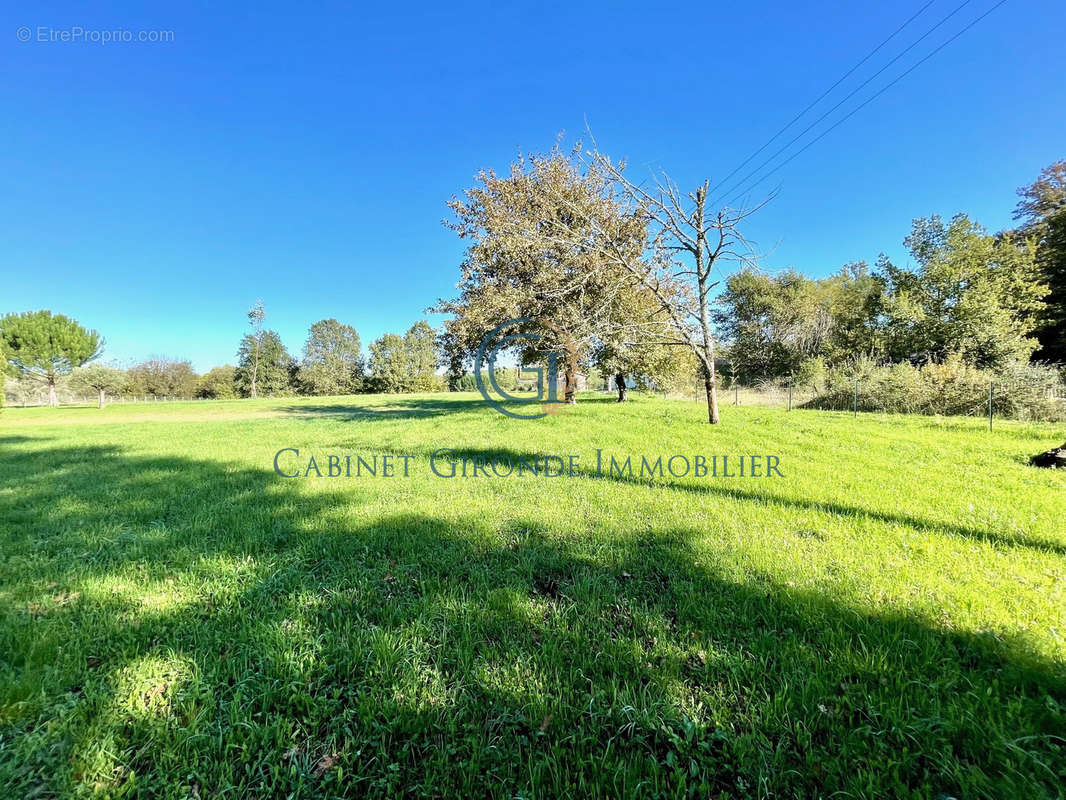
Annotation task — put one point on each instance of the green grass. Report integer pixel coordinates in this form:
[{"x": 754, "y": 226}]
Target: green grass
[{"x": 886, "y": 620}]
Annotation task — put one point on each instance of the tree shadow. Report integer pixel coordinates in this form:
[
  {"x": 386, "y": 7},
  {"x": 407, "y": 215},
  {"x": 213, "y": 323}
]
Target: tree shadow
[
  {"x": 416, "y": 407},
  {"x": 176, "y": 625},
  {"x": 402, "y": 406},
  {"x": 1003, "y": 427},
  {"x": 15, "y": 439},
  {"x": 707, "y": 486}
]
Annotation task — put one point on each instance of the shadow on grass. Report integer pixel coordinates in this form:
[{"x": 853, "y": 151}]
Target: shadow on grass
[
  {"x": 14, "y": 439},
  {"x": 406, "y": 406},
  {"x": 401, "y": 406},
  {"x": 712, "y": 487},
  {"x": 975, "y": 422},
  {"x": 171, "y": 625}
]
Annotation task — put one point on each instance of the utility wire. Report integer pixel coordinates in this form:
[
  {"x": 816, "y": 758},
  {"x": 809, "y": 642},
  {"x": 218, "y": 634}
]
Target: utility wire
[
  {"x": 873, "y": 97},
  {"x": 847, "y": 97},
  {"x": 822, "y": 96}
]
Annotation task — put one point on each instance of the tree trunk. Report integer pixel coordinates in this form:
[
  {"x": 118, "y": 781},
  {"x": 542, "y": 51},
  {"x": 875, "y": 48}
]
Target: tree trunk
[
  {"x": 709, "y": 384},
  {"x": 570, "y": 377},
  {"x": 620, "y": 383},
  {"x": 255, "y": 366},
  {"x": 101, "y": 398},
  {"x": 52, "y": 399},
  {"x": 703, "y": 274}
]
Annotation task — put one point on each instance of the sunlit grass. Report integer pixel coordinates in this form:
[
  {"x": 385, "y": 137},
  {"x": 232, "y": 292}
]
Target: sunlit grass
[{"x": 886, "y": 619}]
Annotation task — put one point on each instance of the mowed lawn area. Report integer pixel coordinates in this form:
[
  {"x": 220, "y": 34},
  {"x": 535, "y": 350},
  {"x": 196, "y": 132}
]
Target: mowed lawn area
[{"x": 887, "y": 618}]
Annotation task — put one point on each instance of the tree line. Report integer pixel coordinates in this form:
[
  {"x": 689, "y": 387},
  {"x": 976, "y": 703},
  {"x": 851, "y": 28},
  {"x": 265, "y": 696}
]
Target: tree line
[
  {"x": 46, "y": 351},
  {"x": 661, "y": 286},
  {"x": 990, "y": 302},
  {"x": 649, "y": 285}
]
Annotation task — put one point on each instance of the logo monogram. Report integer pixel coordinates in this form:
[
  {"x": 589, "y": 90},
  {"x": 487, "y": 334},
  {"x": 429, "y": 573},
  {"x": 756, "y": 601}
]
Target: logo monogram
[{"x": 547, "y": 378}]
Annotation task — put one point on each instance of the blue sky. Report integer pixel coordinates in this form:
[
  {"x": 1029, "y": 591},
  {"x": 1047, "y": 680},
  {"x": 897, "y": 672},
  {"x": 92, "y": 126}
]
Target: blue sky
[{"x": 154, "y": 190}]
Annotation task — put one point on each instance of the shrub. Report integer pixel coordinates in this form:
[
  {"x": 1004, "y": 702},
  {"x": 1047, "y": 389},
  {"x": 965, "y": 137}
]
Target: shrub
[
  {"x": 951, "y": 387},
  {"x": 218, "y": 383}
]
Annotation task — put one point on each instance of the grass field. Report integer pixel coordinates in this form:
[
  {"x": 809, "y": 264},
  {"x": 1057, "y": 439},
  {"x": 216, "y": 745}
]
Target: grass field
[{"x": 887, "y": 618}]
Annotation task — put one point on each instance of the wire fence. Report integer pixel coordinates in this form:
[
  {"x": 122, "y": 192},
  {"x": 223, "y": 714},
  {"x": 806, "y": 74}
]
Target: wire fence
[
  {"x": 1035, "y": 402},
  {"x": 66, "y": 398},
  {"x": 1016, "y": 401}
]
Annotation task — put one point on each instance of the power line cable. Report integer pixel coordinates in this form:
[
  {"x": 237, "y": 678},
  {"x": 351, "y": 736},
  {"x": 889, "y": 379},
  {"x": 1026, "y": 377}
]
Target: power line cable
[
  {"x": 847, "y": 97},
  {"x": 873, "y": 97},
  {"x": 823, "y": 95}
]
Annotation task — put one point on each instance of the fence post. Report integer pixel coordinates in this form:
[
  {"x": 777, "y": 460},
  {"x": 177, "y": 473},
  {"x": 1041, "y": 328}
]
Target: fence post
[
  {"x": 855, "y": 407},
  {"x": 990, "y": 399},
  {"x": 736, "y": 395},
  {"x": 790, "y": 395}
]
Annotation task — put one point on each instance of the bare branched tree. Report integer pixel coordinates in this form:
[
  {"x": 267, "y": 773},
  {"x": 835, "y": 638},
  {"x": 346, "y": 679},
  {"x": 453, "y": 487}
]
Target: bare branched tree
[
  {"x": 606, "y": 259},
  {"x": 255, "y": 318},
  {"x": 691, "y": 246}
]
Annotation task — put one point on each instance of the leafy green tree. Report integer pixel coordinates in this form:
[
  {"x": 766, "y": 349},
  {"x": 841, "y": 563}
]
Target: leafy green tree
[
  {"x": 544, "y": 243},
  {"x": 420, "y": 342},
  {"x": 637, "y": 356},
  {"x": 262, "y": 358},
  {"x": 162, "y": 377},
  {"x": 218, "y": 383},
  {"x": 855, "y": 300},
  {"x": 775, "y": 324},
  {"x": 100, "y": 379},
  {"x": 405, "y": 363},
  {"x": 772, "y": 322},
  {"x": 453, "y": 359},
  {"x": 43, "y": 346},
  {"x": 332, "y": 362},
  {"x": 970, "y": 293},
  {"x": 390, "y": 370},
  {"x": 1043, "y": 212}
]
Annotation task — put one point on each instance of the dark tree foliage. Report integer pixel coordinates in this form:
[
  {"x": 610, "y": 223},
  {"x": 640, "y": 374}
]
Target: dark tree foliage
[
  {"x": 405, "y": 363},
  {"x": 775, "y": 323},
  {"x": 218, "y": 383},
  {"x": 332, "y": 363},
  {"x": 43, "y": 346},
  {"x": 1042, "y": 210},
  {"x": 266, "y": 357},
  {"x": 162, "y": 377},
  {"x": 968, "y": 293}
]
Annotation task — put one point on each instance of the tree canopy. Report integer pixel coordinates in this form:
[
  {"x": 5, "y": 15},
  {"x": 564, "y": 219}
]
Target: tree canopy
[
  {"x": 543, "y": 245},
  {"x": 43, "y": 346},
  {"x": 970, "y": 293},
  {"x": 263, "y": 357},
  {"x": 775, "y": 323},
  {"x": 162, "y": 377},
  {"x": 405, "y": 363},
  {"x": 1042, "y": 210},
  {"x": 100, "y": 379},
  {"x": 332, "y": 361},
  {"x": 217, "y": 383},
  {"x": 390, "y": 368}
]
